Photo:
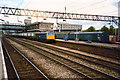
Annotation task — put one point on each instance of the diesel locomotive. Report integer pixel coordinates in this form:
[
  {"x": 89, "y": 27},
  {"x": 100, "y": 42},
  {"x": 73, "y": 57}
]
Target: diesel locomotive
[{"x": 40, "y": 36}]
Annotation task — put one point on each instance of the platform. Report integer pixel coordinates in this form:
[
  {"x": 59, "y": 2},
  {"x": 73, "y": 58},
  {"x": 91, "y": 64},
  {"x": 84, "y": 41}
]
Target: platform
[
  {"x": 3, "y": 71},
  {"x": 105, "y": 49},
  {"x": 92, "y": 43}
]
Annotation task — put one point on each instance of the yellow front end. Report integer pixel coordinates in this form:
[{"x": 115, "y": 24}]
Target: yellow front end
[{"x": 50, "y": 36}]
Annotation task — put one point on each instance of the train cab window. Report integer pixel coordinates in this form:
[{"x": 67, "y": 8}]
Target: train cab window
[{"x": 49, "y": 33}]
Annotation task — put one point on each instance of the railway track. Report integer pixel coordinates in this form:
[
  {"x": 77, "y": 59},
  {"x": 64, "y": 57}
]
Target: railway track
[
  {"x": 10, "y": 70},
  {"x": 96, "y": 61},
  {"x": 24, "y": 68},
  {"x": 87, "y": 71},
  {"x": 110, "y": 52},
  {"x": 78, "y": 55}
]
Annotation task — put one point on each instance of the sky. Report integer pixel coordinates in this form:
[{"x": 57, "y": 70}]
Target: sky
[{"x": 95, "y": 7}]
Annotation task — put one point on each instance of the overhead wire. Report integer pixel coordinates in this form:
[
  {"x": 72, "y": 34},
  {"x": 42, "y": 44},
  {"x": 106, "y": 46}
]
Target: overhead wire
[
  {"x": 98, "y": 8},
  {"x": 115, "y": 11},
  {"x": 27, "y": 3},
  {"x": 93, "y": 4},
  {"x": 20, "y": 3}
]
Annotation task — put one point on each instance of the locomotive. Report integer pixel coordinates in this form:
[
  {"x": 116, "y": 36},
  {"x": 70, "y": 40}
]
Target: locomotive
[{"x": 40, "y": 36}]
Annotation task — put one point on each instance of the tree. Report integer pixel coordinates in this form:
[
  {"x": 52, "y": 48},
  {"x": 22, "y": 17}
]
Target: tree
[
  {"x": 112, "y": 30},
  {"x": 90, "y": 29},
  {"x": 104, "y": 29}
]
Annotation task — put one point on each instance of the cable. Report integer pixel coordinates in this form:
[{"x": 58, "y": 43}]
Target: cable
[
  {"x": 111, "y": 11},
  {"x": 18, "y": 2},
  {"x": 21, "y": 3},
  {"x": 102, "y": 8},
  {"x": 98, "y": 8},
  {"x": 27, "y": 3},
  {"x": 91, "y": 5},
  {"x": 12, "y": 3}
]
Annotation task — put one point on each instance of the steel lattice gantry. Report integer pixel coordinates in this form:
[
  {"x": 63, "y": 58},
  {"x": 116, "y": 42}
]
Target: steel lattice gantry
[{"x": 58, "y": 15}]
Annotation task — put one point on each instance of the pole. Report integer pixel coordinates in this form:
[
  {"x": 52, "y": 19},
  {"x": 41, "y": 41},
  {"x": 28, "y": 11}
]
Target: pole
[
  {"x": 119, "y": 21},
  {"x": 115, "y": 31},
  {"x": 76, "y": 39},
  {"x": 65, "y": 13},
  {"x": 37, "y": 19},
  {"x": 118, "y": 28}
]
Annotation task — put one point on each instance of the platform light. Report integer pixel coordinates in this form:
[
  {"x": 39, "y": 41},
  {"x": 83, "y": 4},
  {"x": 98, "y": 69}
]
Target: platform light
[
  {"x": 64, "y": 20},
  {"x": 6, "y": 15},
  {"x": 29, "y": 17},
  {"x": 44, "y": 19},
  {"x": 20, "y": 21}
]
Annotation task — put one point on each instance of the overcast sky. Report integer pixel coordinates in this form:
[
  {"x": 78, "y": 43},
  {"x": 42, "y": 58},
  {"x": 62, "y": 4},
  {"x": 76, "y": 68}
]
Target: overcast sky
[{"x": 95, "y": 7}]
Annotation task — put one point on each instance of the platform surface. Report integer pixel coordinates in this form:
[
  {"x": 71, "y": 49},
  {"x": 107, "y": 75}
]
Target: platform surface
[
  {"x": 93, "y": 43},
  {"x": 1, "y": 70}
]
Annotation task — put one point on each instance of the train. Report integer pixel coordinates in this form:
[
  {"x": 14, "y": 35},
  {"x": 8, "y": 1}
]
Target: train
[
  {"x": 83, "y": 36},
  {"x": 50, "y": 36},
  {"x": 40, "y": 36}
]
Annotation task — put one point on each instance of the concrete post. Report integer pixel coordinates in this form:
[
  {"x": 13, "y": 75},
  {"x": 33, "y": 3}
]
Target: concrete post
[
  {"x": 119, "y": 21},
  {"x": 119, "y": 29}
]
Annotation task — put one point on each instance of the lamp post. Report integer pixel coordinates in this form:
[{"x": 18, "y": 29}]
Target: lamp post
[
  {"x": 118, "y": 28},
  {"x": 115, "y": 31},
  {"x": 76, "y": 35}
]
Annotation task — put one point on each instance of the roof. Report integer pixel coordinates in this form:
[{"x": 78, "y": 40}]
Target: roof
[{"x": 36, "y": 23}]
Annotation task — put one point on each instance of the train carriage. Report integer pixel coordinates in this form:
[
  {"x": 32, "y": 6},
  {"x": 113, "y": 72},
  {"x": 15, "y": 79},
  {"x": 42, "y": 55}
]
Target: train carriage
[{"x": 84, "y": 36}]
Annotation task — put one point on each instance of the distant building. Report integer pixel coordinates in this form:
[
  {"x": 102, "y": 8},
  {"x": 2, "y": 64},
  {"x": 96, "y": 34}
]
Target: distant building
[
  {"x": 46, "y": 26},
  {"x": 40, "y": 26},
  {"x": 68, "y": 27}
]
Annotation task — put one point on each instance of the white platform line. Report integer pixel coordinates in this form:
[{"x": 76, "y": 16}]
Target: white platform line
[{"x": 4, "y": 65}]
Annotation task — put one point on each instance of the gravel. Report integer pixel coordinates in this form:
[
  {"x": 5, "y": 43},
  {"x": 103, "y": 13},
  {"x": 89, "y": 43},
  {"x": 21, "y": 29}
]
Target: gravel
[
  {"x": 48, "y": 66},
  {"x": 98, "y": 67}
]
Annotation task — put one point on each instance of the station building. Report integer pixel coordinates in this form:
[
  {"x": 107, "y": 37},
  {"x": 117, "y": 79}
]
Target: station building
[
  {"x": 66, "y": 27},
  {"x": 40, "y": 26},
  {"x": 59, "y": 27}
]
